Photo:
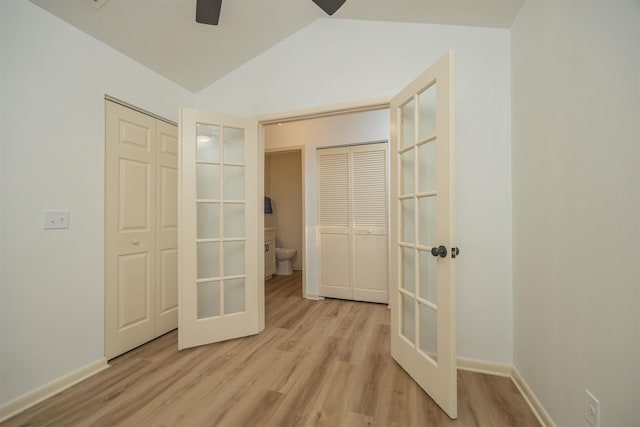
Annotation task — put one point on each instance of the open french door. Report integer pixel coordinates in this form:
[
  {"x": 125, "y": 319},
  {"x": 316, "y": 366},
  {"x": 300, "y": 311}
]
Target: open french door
[
  {"x": 423, "y": 339},
  {"x": 219, "y": 279}
]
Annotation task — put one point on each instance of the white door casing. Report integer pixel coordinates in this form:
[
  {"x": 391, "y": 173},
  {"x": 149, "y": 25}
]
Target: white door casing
[
  {"x": 219, "y": 260},
  {"x": 423, "y": 338}
]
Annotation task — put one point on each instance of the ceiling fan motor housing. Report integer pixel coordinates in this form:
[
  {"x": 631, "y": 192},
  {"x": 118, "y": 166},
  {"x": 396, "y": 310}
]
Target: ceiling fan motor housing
[{"x": 208, "y": 11}]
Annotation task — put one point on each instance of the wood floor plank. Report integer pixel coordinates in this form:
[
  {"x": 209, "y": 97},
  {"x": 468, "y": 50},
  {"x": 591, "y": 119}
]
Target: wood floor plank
[{"x": 317, "y": 363}]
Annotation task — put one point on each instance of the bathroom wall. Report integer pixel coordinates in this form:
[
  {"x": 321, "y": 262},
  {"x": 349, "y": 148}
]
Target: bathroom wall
[{"x": 283, "y": 183}]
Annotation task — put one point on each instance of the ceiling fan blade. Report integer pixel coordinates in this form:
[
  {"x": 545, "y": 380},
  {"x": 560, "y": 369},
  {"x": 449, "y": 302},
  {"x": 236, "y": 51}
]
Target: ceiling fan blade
[
  {"x": 208, "y": 11},
  {"x": 329, "y": 6}
]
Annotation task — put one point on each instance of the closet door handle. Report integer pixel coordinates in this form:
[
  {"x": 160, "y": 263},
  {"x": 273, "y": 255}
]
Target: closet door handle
[{"x": 266, "y": 247}]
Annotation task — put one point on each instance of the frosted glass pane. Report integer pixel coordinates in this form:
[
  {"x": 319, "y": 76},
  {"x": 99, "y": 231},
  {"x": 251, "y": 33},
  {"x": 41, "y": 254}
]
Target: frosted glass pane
[
  {"x": 208, "y": 299},
  {"x": 428, "y": 288},
  {"x": 208, "y": 220},
  {"x": 427, "y": 113},
  {"x": 233, "y": 145},
  {"x": 207, "y": 181},
  {"x": 408, "y": 269},
  {"x": 208, "y": 259},
  {"x": 208, "y": 142},
  {"x": 427, "y": 167},
  {"x": 407, "y": 135},
  {"x": 408, "y": 318},
  {"x": 427, "y": 233},
  {"x": 428, "y": 325},
  {"x": 233, "y": 220},
  {"x": 233, "y": 183},
  {"x": 408, "y": 208},
  {"x": 233, "y": 296},
  {"x": 233, "y": 258},
  {"x": 408, "y": 168}
]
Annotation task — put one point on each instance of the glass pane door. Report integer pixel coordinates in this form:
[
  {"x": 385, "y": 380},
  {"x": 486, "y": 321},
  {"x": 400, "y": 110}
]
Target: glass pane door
[
  {"x": 219, "y": 286},
  {"x": 220, "y": 211},
  {"x": 418, "y": 200},
  {"x": 423, "y": 297}
]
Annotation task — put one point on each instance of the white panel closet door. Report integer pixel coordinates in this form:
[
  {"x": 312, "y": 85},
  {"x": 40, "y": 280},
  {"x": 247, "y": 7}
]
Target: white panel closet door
[
  {"x": 353, "y": 222},
  {"x": 140, "y": 228},
  {"x": 166, "y": 252}
]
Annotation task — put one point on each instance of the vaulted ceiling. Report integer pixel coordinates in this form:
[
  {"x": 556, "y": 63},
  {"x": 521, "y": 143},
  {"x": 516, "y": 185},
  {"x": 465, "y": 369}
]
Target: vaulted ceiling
[{"x": 163, "y": 34}]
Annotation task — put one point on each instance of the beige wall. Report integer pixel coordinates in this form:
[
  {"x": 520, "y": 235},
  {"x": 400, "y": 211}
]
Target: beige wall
[{"x": 283, "y": 182}]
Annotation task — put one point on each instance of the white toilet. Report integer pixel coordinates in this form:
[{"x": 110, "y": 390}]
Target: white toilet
[{"x": 284, "y": 256}]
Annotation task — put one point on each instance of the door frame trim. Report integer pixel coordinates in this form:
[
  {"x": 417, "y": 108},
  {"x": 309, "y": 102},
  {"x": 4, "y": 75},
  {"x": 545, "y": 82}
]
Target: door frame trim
[
  {"x": 329, "y": 110},
  {"x": 138, "y": 109}
]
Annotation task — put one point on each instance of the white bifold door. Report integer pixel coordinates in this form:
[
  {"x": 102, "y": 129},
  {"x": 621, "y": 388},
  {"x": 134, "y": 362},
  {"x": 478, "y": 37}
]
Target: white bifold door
[
  {"x": 353, "y": 228},
  {"x": 141, "y": 225},
  {"x": 219, "y": 262}
]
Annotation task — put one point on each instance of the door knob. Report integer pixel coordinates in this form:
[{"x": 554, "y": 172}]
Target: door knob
[{"x": 440, "y": 251}]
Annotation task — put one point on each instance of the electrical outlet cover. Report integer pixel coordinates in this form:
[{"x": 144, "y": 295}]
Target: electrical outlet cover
[{"x": 592, "y": 409}]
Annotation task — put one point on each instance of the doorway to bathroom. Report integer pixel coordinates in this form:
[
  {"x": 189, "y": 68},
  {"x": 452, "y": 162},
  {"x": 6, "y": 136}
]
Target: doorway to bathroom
[
  {"x": 308, "y": 134},
  {"x": 284, "y": 218}
]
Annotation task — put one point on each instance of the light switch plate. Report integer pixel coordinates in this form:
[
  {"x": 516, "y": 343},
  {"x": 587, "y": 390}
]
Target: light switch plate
[{"x": 56, "y": 219}]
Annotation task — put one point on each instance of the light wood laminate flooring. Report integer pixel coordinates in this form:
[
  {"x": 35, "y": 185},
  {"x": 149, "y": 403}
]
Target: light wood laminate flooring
[{"x": 317, "y": 363}]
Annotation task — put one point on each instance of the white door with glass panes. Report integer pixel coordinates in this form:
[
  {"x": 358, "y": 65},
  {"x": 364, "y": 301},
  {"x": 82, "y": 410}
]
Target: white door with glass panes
[
  {"x": 220, "y": 277},
  {"x": 423, "y": 339}
]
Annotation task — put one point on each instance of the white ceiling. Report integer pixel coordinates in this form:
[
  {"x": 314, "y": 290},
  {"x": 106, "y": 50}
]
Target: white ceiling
[{"x": 163, "y": 34}]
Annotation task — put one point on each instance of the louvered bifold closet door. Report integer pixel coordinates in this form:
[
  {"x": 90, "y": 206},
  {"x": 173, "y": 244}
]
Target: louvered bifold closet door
[
  {"x": 353, "y": 222},
  {"x": 334, "y": 223},
  {"x": 369, "y": 223}
]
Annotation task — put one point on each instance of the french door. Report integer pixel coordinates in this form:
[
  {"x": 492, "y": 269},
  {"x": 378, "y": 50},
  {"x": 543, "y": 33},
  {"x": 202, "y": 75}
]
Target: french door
[
  {"x": 423, "y": 339},
  {"x": 219, "y": 284},
  {"x": 220, "y": 279}
]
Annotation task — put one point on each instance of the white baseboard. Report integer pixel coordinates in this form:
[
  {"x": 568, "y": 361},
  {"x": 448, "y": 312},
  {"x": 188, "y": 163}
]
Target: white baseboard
[
  {"x": 504, "y": 370},
  {"x": 313, "y": 296},
  {"x": 31, "y": 398},
  {"x": 483, "y": 367},
  {"x": 532, "y": 400}
]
